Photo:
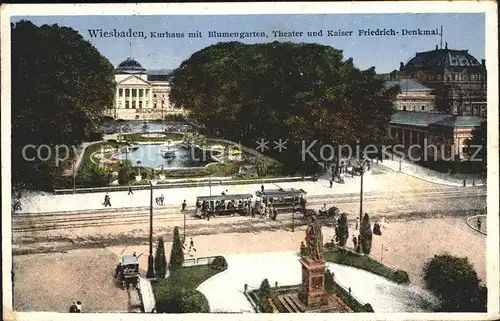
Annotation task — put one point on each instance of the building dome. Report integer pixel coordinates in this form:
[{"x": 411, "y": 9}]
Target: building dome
[
  {"x": 443, "y": 58},
  {"x": 130, "y": 66}
]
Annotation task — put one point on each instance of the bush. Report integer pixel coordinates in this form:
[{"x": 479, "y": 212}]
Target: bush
[
  {"x": 125, "y": 174},
  {"x": 160, "y": 260},
  {"x": 365, "y": 235},
  {"x": 219, "y": 263},
  {"x": 92, "y": 175},
  {"x": 400, "y": 276},
  {"x": 368, "y": 308},
  {"x": 265, "y": 288},
  {"x": 343, "y": 230},
  {"x": 177, "y": 254},
  {"x": 179, "y": 300},
  {"x": 455, "y": 282},
  {"x": 329, "y": 281}
]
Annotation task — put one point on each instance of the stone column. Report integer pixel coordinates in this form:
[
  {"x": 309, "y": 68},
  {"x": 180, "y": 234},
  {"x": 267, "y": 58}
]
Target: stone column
[
  {"x": 129, "y": 97},
  {"x": 117, "y": 98},
  {"x": 411, "y": 137},
  {"x": 403, "y": 137},
  {"x": 150, "y": 98}
]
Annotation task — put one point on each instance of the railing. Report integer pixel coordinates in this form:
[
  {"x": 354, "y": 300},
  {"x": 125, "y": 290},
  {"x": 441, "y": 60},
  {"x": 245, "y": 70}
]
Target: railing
[
  {"x": 348, "y": 292},
  {"x": 186, "y": 184},
  {"x": 198, "y": 261}
]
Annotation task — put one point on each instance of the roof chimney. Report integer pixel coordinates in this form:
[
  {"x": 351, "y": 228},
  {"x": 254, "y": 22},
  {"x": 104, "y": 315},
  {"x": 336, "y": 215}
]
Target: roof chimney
[
  {"x": 483, "y": 62},
  {"x": 436, "y": 47},
  {"x": 446, "y": 45}
]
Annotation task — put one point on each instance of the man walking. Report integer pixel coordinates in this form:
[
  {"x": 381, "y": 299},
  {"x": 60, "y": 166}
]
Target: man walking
[
  {"x": 183, "y": 206},
  {"x": 262, "y": 188},
  {"x": 162, "y": 198},
  {"x": 331, "y": 184},
  {"x": 107, "y": 200},
  {"x": 130, "y": 190}
]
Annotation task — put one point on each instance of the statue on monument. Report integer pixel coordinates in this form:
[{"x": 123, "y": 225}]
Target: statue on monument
[{"x": 314, "y": 241}]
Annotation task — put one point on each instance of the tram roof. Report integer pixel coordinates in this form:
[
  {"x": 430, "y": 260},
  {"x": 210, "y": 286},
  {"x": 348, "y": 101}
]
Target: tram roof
[
  {"x": 280, "y": 192},
  {"x": 226, "y": 197}
]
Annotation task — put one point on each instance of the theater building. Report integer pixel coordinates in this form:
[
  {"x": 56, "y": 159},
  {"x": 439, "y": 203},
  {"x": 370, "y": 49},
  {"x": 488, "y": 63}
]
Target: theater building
[
  {"x": 457, "y": 78},
  {"x": 140, "y": 95},
  {"x": 447, "y": 133},
  {"x": 413, "y": 96}
]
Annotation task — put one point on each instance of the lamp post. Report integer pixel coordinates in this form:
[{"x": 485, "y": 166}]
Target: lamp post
[
  {"x": 151, "y": 272},
  {"x": 74, "y": 172},
  {"x": 293, "y": 218},
  {"x": 362, "y": 172}
]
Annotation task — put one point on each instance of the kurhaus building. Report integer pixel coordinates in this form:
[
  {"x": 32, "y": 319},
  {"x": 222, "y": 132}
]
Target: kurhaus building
[
  {"x": 140, "y": 95},
  {"x": 457, "y": 79}
]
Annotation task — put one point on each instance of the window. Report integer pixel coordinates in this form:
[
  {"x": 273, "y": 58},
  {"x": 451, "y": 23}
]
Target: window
[
  {"x": 422, "y": 108},
  {"x": 127, "y": 105},
  {"x": 120, "y": 92},
  {"x": 127, "y": 92}
]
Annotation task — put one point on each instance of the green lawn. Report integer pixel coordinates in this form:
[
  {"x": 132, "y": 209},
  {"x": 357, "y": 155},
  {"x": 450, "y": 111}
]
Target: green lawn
[
  {"x": 349, "y": 258},
  {"x": 188, "y": 278}
]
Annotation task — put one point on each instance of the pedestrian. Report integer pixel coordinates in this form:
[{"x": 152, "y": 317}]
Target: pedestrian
[
  {"x": 183, "y": 205},
  {"x": 118, "y": 269},
  {"x": 107, "y": 200},
  {"x": 157, "y": 199},
  {"x": 162, "y": 199},
  {"x": 262, "y": 188},
  {"x": 357, "y": 223},
  {"x": 73, "y": 308},
  {"x": 78, "y": 306},
  {"x": 478, "y": 222},
  {"x": 275, "y": 214},
  {"x": 253, "y": 212},
  {"x": 354, "y": 242},
  {"x": 130, "y": 190},
  {"x": 331, "y": 184},
  {"x": 191, "y": 243}
]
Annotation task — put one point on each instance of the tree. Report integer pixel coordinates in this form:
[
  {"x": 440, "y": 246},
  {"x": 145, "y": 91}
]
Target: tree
[
  {"x": 125, "y": 174},
  {"x": 61, "y": 85},
  {"x": 262, "y": 167},
  {"x": 293, "y": 92},
  {"x": 476, "y": 148},
  {"x": 365, "y": 235},
  {"x": 455, "y": 282},
  {"x": 160, "y": 260},
  {"x": 93, "y": 175},
  {"x": 177, "y": 254},
  {"x": 343, "y": 229}
]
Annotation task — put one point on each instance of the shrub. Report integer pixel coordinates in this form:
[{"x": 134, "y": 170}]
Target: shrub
[
  {"x": 329, "y": 281},
  {"x": 160, "y": 260},
  {"x": 125, "y": 174},
  {"x": 365, "y": 235},
  {"x": 343, "y": 230},
  {"x": 455, "y": 282},
  {"x": 368, "y": 308},
  {"x": 265, "y": 288},
  {"x": 219, "y": 263},
  {"x": 180, "y": 300},
  {"x": 401, "y": 277},
  {"x": 177, "y": 254}
]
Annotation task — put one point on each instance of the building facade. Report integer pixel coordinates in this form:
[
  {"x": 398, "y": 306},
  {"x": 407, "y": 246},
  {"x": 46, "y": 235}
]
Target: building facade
[
  {"x": 457, "y": 78},
  {"x": 442, "y": 135},
  {"x": 139, "y": 95},
  {"x": 413, "y": 96}
]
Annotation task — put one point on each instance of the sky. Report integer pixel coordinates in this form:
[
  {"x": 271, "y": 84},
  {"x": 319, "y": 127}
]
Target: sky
[{"x": 463, "y": 31}]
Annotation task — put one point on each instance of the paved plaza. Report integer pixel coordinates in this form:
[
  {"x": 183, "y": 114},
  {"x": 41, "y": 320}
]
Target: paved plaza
[{"x": 45, "y": 202}]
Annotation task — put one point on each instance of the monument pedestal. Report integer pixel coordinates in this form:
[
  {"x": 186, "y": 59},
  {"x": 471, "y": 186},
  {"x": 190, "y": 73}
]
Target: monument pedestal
[{"x": 313, "y": 292}]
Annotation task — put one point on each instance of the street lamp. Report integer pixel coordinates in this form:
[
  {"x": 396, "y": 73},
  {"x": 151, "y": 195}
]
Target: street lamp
[
  {"x": 151, "y": 272},
  {"x": 362, "y": 172},
  {"x": 293, "y": 217}
]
